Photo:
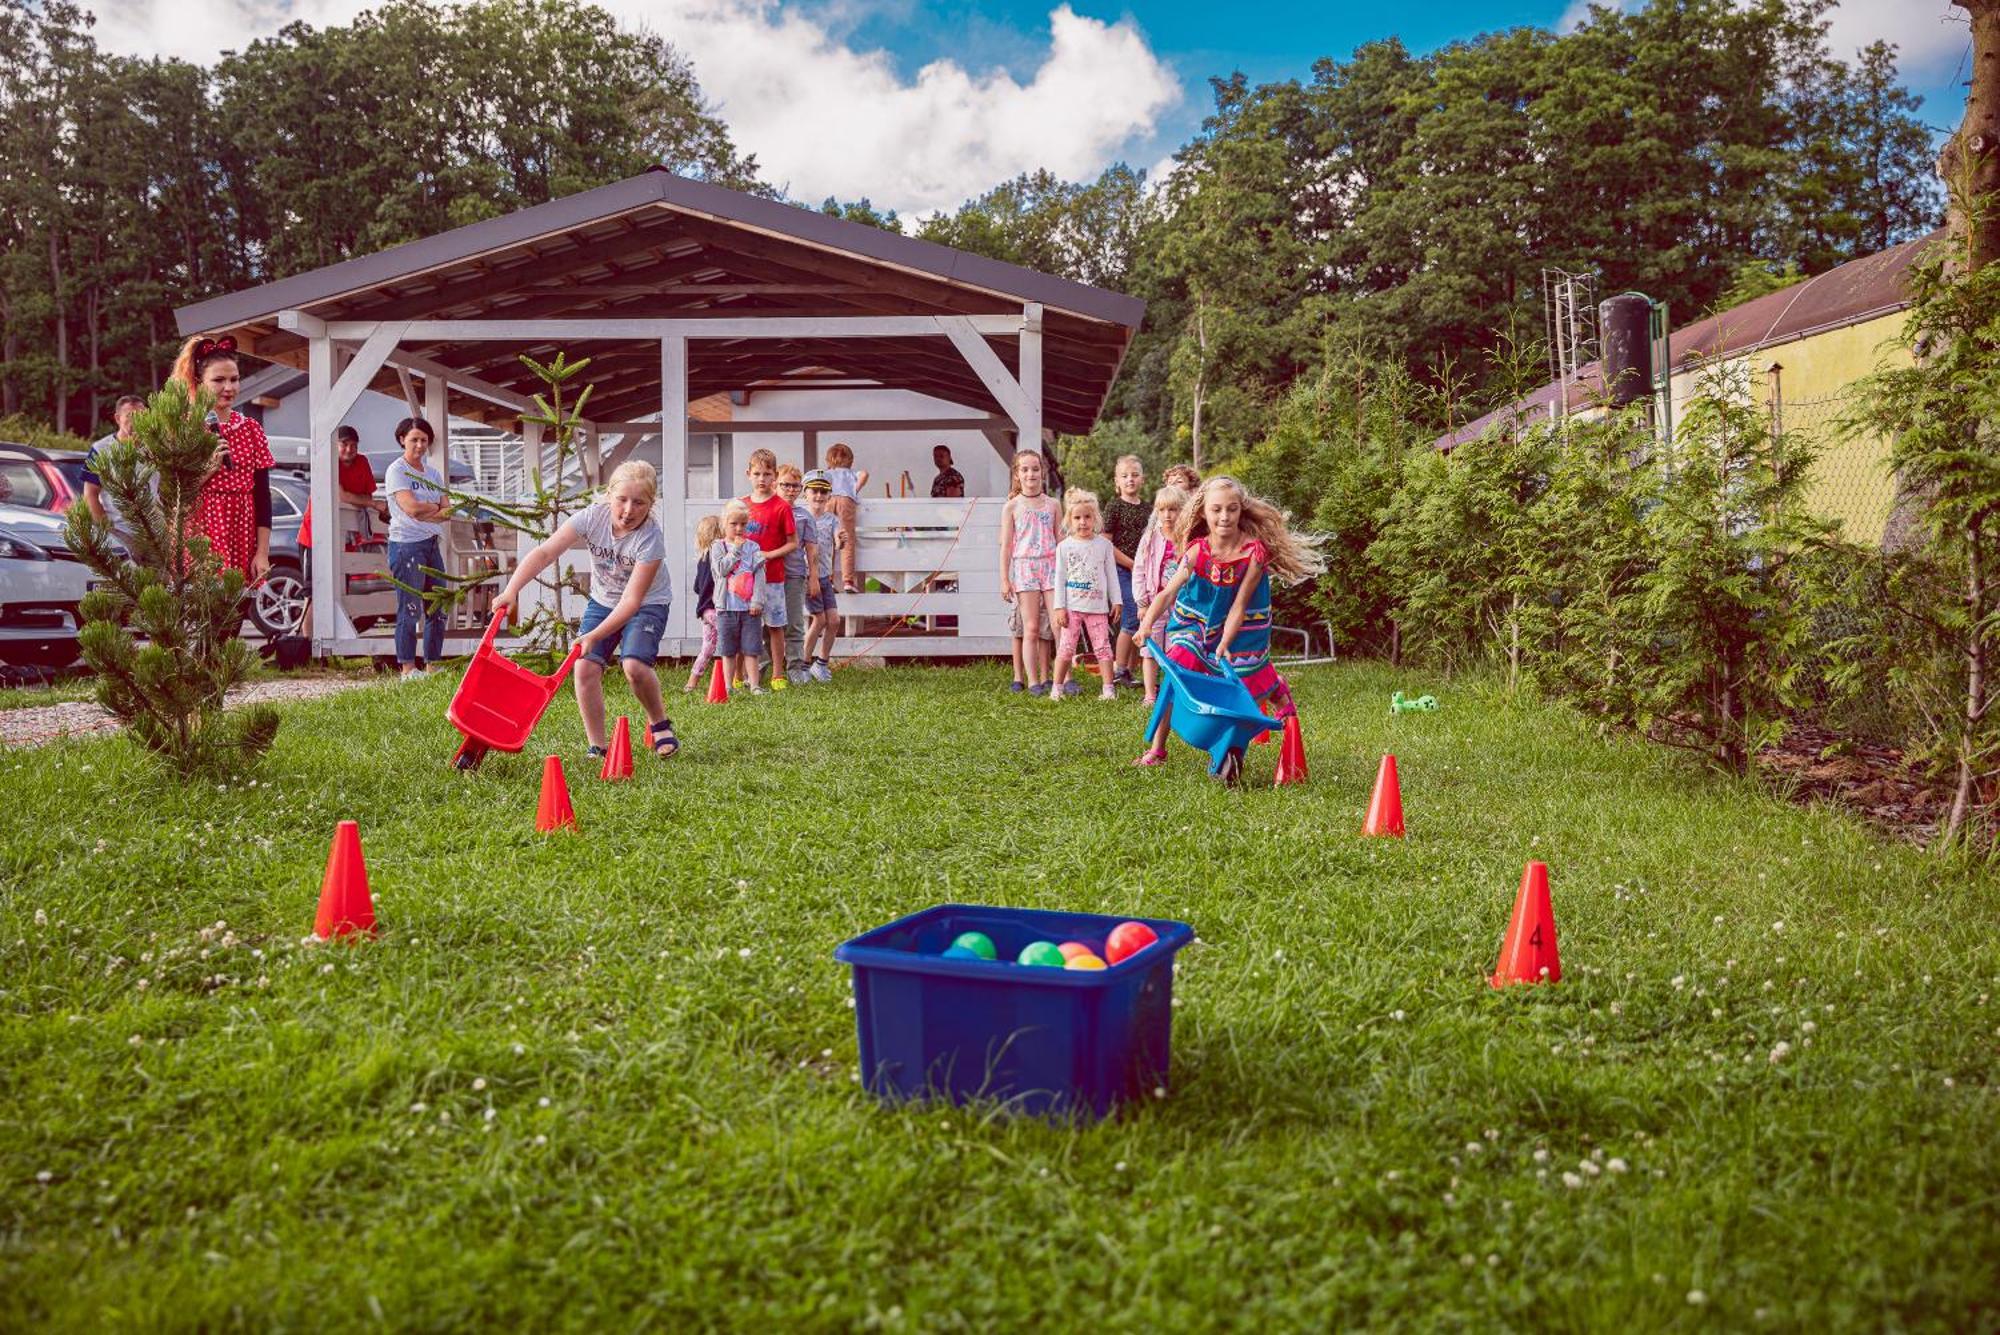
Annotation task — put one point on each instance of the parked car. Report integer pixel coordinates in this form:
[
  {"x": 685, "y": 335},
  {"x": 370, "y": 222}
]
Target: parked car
[
  {"x": 37, "y": 479},
  {"x": 277, "y": 606},
  {"x": 41, "y": 583}
]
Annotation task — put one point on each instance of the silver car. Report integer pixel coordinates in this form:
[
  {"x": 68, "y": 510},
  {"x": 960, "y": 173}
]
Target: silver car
[{"x": 41, "y": 582}]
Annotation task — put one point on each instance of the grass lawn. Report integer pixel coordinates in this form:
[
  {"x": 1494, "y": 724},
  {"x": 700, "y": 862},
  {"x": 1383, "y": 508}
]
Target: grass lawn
[{"x": 609, "y": 1081}]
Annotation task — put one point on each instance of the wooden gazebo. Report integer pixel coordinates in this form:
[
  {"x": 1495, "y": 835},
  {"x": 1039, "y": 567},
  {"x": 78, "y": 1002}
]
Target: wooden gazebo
[{"x": 679, "y": 290}]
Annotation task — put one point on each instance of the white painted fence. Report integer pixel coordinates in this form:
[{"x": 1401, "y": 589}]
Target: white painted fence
[{"x": 939, "y": 561}]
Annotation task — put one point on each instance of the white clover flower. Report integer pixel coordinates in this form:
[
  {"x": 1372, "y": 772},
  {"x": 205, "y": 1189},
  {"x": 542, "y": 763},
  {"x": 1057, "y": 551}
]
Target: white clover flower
[
  {"x": 1159, "y": 1091},
  {"x": 1572, "y": 1181},
  {"x": 1589, "y": 1167},
  {"x": 541, "y": 1140},
  {"x": 520, "y": 1049},
  {"x": 1696, "y": 1297},
  {"x": 1474, "y": 1147},
  {"x": 1808, "y": 1027},
  {"x": 1616, "y": 1165},
  {"x": 492, "y": 1113},
  {"x": 1541, "y": 1156},
  {"x": 1678, "y": 980},
  {"x": 478, "y": 1084},
  {"x": 1396, "y": 1015},
  {"x": 419, "y": 1107},
  {"x": 1780, "y": 1052},
  {"x": 542, "y": 1102},
  {"x": 45, "y": 1176}
]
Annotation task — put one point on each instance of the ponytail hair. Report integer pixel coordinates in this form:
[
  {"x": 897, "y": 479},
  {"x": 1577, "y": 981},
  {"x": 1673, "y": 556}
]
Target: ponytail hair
[{"x": 197, "y": 354}]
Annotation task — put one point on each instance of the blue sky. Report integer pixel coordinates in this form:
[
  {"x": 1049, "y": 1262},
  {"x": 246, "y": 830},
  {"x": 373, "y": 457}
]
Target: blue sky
[
  {"x": 1278, "y": 39},
  {"x": 920, "y": 105}
]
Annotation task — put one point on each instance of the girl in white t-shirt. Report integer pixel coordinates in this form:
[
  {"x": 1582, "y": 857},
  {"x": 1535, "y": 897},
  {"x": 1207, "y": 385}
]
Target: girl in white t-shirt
[
  {"x": 1086, "y": 596},
  {"x": 630, "y": 595}
]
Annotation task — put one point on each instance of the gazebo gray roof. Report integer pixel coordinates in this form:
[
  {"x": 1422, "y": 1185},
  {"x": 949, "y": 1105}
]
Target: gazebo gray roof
[{"x": 661, "y": 247}]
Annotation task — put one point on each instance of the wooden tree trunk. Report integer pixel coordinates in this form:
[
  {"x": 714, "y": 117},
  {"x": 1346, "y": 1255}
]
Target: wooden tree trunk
[
  {"x": 1970, "y": 163},
  {"x": 62, "y": 334}
]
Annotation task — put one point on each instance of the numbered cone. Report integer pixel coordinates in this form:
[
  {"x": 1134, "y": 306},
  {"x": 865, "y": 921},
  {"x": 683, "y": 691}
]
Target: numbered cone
[
  {"x": 1385, "y": 809},
  {"x": 618, "y": 760},
  {"x": 555, "y": 812},
  {"x": 1528, "y": 951}
]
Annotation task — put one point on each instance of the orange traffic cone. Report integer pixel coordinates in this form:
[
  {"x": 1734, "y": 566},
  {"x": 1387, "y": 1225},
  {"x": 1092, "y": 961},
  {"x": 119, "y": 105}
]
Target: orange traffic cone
[
  {"x": 555, "y": 813},
  {"x": 618, "y": 760},
  {"x": 345, "y": 907},
  {"x": 1385, "y": 809},
  {"x": 1292, "y": 754},
  {"x": 1528, "y": 951},
  {"x": 1262, "y": 738},
  {"x": 718, "y": 685}
]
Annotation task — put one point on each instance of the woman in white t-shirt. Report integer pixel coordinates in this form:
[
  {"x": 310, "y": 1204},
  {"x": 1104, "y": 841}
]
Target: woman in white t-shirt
[{"x": 630, "y": 595}]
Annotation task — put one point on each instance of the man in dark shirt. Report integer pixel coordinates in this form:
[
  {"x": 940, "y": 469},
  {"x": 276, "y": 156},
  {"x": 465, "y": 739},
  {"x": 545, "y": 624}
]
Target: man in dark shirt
[
  {"x": 949, "y": 483},
  {"x": 128, "y": 407}
]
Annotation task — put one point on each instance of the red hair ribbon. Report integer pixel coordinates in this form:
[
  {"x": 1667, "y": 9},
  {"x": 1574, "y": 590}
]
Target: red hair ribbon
[{"x": 209, "y": 347}]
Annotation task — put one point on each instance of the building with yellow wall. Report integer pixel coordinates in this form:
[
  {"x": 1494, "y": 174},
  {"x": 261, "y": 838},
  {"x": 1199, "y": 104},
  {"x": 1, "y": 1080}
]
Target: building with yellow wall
[{"x": 1799, "y": 353}]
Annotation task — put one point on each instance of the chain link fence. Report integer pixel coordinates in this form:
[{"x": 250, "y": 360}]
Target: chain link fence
[{"x": 1851, "y": 481}]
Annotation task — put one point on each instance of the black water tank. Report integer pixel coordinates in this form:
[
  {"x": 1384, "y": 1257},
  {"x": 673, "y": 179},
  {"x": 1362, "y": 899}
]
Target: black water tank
[{"x": 1626, "y": 322}]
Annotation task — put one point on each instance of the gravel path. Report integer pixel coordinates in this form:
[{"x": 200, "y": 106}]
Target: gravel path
[{"x": 81, "y": 718}]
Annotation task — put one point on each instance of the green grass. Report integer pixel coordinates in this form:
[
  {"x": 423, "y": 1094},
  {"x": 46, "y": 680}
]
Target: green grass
[{"x": 1358, "y": 1131}]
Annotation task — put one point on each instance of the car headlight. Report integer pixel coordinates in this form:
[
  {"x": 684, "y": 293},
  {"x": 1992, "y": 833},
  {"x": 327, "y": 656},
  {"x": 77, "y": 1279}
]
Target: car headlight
[{"x": 20, "y": 549}]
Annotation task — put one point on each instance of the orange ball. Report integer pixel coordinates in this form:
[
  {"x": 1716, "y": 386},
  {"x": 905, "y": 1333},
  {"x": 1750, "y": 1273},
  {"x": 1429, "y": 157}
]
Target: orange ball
[{"x": 1128, "y": 939}]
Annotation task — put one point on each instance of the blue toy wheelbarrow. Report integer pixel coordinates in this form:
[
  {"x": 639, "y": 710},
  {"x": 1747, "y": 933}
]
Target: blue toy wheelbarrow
[{"x": 1216, "y": 714}]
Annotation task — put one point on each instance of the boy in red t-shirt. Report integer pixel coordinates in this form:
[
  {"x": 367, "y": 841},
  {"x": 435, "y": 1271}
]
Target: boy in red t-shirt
[{"x": 777, "y": 535}]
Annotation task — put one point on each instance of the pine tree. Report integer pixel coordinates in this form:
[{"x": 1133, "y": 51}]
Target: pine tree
[{"x": 164, "y": 584}]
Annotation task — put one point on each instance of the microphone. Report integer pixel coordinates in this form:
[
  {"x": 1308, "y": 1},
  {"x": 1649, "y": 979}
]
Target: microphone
[{"x": 214, "y": 424}]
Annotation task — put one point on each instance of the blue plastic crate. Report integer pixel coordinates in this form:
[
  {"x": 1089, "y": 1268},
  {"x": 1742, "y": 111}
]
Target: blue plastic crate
[{"x": 1048, "y": 1041}]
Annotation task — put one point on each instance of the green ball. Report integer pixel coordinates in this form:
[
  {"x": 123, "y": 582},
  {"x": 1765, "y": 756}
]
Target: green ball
[
  {"x": 978, "y": 943},
  {"x": 1044, "y": 954}
]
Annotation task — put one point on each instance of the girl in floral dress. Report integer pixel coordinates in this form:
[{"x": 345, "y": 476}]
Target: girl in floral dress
[
  {"x": 1231, "y": 543},
  {"x": 1028, "y": 559}
]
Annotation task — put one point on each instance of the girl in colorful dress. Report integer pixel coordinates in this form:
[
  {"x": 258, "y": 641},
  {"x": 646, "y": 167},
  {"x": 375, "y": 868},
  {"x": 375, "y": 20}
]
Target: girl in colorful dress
[
  {"x": 1231, "y": 544},
  {"x": 1028, "y": 559},
  {"x": 233, "y": 507},
  {"x": 1153, "y": 565},
  {"x": 1087, "y": 595}
]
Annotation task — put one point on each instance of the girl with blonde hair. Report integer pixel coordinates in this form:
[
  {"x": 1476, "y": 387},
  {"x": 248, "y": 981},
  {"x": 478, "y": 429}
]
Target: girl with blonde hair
[
  {"x": 630, "y": 596},
  {"x": 1231, "y": 545}
]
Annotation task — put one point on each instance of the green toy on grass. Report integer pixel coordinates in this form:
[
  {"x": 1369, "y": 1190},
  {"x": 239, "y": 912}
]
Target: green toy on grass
[{"x": 1422, "y": 704}]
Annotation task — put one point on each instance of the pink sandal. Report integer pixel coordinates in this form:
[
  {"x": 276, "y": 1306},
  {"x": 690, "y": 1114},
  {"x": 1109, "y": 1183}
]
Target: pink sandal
[{"x": 1150, "y": 758}]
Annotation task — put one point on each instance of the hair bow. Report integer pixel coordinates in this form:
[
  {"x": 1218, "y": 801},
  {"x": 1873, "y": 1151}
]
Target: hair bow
[{"x": 209, "y": 347}]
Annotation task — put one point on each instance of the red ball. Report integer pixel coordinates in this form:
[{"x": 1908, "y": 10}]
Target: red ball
[{"x": 1126, "y": 939}]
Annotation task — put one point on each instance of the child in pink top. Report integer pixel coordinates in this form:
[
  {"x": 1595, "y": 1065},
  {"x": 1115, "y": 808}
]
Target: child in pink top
[{"x": 1153, "y": 566}]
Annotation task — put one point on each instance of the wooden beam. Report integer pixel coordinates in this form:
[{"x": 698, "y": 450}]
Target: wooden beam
[
  {"x": 979, "y": 355},
  {"x": 743, "y": 327},
  {"x": 674, "y": 467}
]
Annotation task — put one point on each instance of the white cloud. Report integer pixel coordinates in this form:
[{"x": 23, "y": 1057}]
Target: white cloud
[
  {"x": 822, "y": 117},
  {"x": 1928, "y": 33},
  {"x": 825, "y": 119}
]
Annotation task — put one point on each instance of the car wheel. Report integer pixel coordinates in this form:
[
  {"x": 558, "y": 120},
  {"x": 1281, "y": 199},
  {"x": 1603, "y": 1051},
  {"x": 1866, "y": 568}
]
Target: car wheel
[{"x": 279, "y": 603}]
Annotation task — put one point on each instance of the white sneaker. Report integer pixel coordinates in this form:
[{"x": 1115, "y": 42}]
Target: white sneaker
[
  {"x": 798, "y": 676},
  {"x": 820, "y": 672},
  {"x": 412, "y": 674}
]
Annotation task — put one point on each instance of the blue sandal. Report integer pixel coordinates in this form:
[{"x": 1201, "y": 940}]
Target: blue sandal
[{"x": 665, "y": 744}]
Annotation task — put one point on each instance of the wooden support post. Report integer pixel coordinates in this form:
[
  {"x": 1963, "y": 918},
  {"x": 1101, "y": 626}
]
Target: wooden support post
[
  {"x": 674, "y": 476},
  {"x": 1031, "y": 373},
  {"x": 329, "y": 621}
]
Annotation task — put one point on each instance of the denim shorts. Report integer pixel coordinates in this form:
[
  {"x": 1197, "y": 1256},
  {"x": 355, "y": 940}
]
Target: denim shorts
[
  {"x": 825, "y": 600},
  {"x": 640, "y": 639},
  {"x": 1128, "y": 615},
  {"x": 735, "y": 633},
  {"x": 774, "y": 606}
]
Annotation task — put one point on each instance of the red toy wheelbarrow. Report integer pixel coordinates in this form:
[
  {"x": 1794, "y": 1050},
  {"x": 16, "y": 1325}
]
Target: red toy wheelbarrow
[{"x": 499, "y": 702}]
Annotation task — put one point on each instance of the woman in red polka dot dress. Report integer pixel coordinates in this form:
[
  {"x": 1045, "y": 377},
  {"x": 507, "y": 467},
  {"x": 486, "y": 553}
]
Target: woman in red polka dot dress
[{"x": 233, "y": 508}]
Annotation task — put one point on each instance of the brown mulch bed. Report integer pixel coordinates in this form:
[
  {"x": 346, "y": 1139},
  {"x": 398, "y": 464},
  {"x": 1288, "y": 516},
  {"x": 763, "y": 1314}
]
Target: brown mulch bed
[{"x": 1813, "y": 764}]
